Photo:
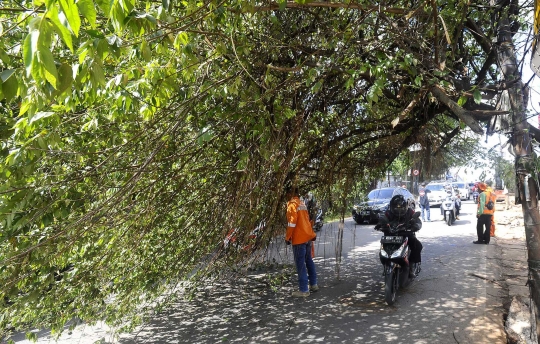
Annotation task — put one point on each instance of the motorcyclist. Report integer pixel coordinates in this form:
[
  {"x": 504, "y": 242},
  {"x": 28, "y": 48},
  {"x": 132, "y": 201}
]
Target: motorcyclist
[
  {"x": 458, "y": 205},
  {"x": 449, "y": 192},
  {"x": 399, "y": 213}
]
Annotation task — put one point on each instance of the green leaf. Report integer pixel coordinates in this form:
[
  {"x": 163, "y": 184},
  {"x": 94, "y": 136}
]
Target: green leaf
[
  {"x": 40, "y": 115},
  {"x": 98, "y": 75},
  {"x": 25, "y": 106},
  {"x": 30, "y": 47},
  {"x": 462, "y": 100},
  {"x": 72, "y": 14},
  {"x": 10, "y": 87},
  {"x": 477, "y": 97},
  {"x": 88, "y": 10},
  {"x": 4, "y": 57},
  {"x": 118, "y": 15},
  {"x": 105, "y": 6},
  {"x": 60, "y": 27},
  {"x": 47, "y": 60},
  {"x": 65, "y": 77},
  {"x": 36, "y": 69},
  {"x": 31, "y": 336},
  {"x": 5, "y": 75},
  {"x": 165, "y": 4},
  {"x": 317, "y": 87},
  {"x": 181, "y": 40},
  {"x": 146, "y": 52}
]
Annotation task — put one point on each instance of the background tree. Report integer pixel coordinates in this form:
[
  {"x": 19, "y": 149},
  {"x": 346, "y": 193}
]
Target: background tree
[{"x": 137, "y": 134}]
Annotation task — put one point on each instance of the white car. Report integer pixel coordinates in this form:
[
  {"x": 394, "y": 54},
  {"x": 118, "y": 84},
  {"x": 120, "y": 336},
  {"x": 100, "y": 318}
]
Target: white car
[
  {"x": 463, "y": 188},
  {"x": 437, "y": 193}
]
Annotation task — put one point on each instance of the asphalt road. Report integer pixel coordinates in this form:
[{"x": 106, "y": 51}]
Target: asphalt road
[{"x": 452, "y": 301}]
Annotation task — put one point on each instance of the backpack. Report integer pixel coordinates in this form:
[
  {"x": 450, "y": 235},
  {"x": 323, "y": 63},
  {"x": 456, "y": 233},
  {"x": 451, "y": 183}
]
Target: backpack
[{"x": 490, "y": 205}]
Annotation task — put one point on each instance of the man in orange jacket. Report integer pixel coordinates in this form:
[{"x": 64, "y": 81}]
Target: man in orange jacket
[
  {"x": 300, "y": 234},
  {"x": 484, "y": 215}
]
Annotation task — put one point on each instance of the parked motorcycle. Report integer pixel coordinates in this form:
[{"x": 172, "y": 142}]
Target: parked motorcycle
[
  {"x": 249, "y": 243},
  {"x": 475, "y": 196},
  {"x": 449, "y": 209},
  {"x": 394, "y": 256},
  {"x": 318, "y": 221}
]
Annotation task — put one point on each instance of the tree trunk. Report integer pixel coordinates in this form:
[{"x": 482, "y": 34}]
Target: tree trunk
[{"x": 526, "y": 193}]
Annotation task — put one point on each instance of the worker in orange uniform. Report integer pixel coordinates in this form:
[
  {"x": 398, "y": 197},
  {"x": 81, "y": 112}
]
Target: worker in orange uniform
[
  {"x": 486, "y": 208},
  {"x": 301, "y": 235}
]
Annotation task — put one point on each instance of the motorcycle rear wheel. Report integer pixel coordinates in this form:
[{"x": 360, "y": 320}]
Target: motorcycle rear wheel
[{"x": 390, "y": 288}]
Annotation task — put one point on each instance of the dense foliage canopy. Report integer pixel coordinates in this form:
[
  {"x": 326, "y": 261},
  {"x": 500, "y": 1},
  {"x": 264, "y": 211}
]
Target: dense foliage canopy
[{"x": 136, "y": 134}]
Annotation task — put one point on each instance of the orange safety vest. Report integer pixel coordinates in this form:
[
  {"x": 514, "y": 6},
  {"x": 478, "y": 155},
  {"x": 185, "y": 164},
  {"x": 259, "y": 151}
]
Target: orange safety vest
[
  {"x": 299, "y": 230},
  {"x": 489, "y": 196}
]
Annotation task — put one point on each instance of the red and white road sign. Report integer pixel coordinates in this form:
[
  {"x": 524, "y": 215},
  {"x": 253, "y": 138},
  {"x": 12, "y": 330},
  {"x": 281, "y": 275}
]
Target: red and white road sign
[{"x": 415, "y": 172}]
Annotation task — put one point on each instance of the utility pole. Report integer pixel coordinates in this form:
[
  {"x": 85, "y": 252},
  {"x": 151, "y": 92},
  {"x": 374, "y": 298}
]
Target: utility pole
[{"x": 526, "y": 191}]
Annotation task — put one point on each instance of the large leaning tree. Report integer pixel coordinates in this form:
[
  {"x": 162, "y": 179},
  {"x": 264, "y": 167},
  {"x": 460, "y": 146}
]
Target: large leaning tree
[{"x": 137, "y": 134}]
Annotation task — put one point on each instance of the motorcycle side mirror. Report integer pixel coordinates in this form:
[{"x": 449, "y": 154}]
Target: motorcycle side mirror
[{"x": 416, "y": 215}]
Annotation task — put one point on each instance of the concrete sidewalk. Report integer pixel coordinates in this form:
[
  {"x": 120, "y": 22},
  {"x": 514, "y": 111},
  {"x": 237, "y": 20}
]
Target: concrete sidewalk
[
  {"x": 460, "y": 297},
  {"x": 509, "y": 260}
]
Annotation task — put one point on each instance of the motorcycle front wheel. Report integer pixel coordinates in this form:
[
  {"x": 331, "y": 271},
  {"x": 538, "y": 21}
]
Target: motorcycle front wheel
[
  {"x": 391, "y": 286},
  {"x": 449, "y": 219}
]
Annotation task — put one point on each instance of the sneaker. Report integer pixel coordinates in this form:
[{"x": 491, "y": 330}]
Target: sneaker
[
  {"x": 314, "y": 288},
  {"x": 457, "y": 217},
  {"x": 299, "y": 293}
]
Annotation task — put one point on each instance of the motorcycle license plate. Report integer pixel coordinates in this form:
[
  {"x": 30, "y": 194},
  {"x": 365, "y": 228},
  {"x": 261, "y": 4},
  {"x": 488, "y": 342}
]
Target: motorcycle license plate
[
  {"x": 391, "y": 240},
  {"x": 365, "y": 213}
]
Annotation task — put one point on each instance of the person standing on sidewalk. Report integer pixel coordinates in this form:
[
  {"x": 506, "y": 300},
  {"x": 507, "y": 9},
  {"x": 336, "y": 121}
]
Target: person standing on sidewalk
[
  {"x": 484, "y": 215},
  {"x": 424, "y": 201},
  {"x": 301, "y": 235}
]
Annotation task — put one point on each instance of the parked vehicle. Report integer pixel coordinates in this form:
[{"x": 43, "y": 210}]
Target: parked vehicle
[
  {"x": 449, "y": 208},
  {"x": 463, "y": 189},
  {"x": 249, "y": 243},
  {"x": 377, "y": 203},
  {"x": 394, "y": 256},
  {"x": 318, "y": 221}
]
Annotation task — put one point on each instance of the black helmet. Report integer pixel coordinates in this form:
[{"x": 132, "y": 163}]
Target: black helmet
[{"x": 398, "y": 205}]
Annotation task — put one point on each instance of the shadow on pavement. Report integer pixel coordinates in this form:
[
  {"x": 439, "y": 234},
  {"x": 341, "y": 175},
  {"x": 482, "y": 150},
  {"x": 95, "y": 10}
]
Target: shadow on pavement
[{"x": 445, "y": 305}]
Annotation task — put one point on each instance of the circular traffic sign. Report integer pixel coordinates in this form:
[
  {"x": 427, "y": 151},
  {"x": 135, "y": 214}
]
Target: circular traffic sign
[{"x": 415, "y": 172}]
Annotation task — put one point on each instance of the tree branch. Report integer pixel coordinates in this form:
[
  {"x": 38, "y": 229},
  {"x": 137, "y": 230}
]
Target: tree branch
[
  {"x": 461, "y": 113},
  {"x": 447, "y": 139},
  {"x": 479, "y": 35}
]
